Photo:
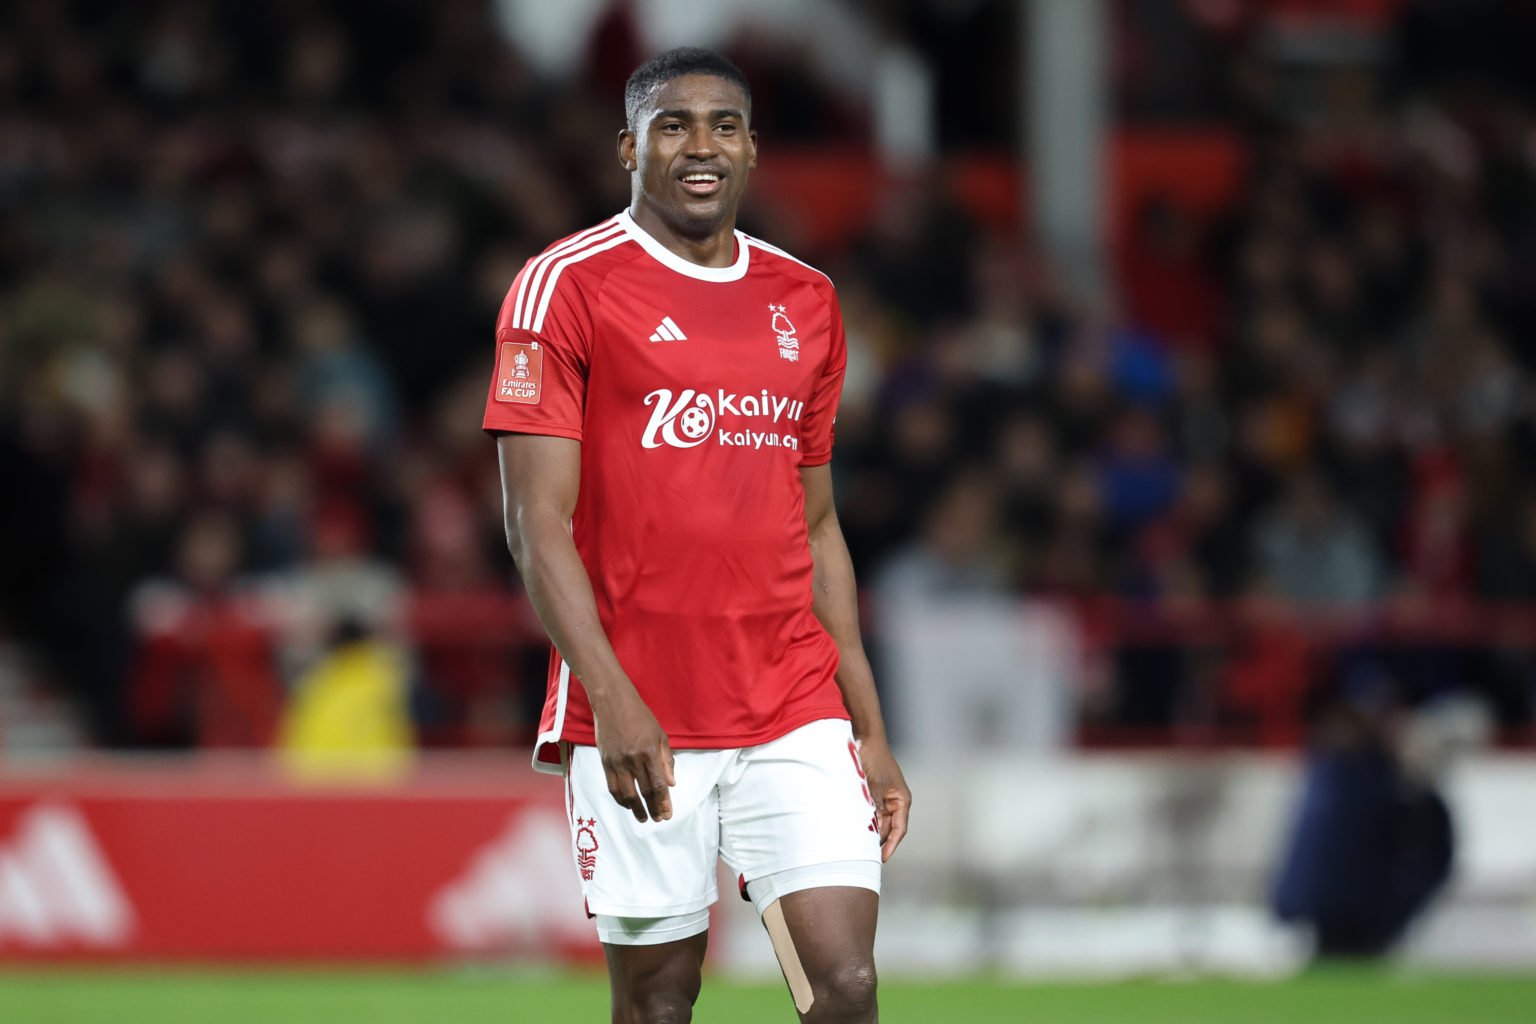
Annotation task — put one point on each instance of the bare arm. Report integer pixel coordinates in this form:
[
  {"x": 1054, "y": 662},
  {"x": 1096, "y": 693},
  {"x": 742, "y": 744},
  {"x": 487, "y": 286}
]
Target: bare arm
[
  {"x": 540, "y": 477},
  {"x": 836, "y": 604}
]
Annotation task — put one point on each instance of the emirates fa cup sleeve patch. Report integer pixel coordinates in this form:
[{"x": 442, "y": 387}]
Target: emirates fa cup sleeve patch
[{"x": 519, "y": 373}]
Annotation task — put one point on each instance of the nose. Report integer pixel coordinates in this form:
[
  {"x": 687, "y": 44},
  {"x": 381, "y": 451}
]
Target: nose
[{"x": 701, "y": 141}]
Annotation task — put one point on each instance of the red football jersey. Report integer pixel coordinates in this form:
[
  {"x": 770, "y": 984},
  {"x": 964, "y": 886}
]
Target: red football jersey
[{"x": 697, "y": 394}]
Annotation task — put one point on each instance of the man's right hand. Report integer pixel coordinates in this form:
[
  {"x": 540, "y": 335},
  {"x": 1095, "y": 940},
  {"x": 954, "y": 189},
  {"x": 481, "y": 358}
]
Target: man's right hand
[{"x": 637, "y": 759}]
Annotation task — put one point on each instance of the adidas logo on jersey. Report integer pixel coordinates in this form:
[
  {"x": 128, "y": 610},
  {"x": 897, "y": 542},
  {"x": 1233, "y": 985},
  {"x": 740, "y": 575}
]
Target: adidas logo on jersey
[
  {"x": 668, "y": 331},
  {"x": 56, "y": 887}
]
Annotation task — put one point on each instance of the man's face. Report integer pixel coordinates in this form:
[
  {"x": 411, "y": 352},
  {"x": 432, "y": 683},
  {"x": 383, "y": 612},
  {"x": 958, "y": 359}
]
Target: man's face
[{"x": 691, "y": 152}]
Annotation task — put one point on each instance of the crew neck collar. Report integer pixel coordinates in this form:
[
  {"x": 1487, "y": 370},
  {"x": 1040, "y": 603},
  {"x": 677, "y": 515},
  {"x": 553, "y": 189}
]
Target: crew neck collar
[{"x": 672, "y": 261}]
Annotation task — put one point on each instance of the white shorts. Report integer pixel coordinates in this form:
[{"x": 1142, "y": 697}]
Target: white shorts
[{"x": 770, "y": 811}]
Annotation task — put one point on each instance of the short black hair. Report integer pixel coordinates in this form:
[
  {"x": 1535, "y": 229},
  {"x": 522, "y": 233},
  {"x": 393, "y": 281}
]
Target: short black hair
[{"x": 662, "y": 68}]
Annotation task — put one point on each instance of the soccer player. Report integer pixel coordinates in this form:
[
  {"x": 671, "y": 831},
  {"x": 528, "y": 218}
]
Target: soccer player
[{"x": 663, "y": 400}]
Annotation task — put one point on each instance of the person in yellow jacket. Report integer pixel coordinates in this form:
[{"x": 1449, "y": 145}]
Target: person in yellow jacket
[{"x": 349, "y": 715}]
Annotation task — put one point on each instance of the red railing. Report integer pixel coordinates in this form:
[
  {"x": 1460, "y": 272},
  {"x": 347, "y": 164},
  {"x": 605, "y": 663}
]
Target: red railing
[
  {"x": 1259, "y": 665},
  {"x": 1249, "y": 668}
]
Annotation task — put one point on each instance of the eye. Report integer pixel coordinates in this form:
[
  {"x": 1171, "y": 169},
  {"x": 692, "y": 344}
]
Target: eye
[
  {"x": 673, "y": 127},
  {"x": 727, "y": 128}
]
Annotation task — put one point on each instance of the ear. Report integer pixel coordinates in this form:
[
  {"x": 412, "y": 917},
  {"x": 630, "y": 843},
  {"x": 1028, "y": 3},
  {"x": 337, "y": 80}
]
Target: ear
[
  {"x": 752, "y": 146},
  {"x": 627, "y": 142}
]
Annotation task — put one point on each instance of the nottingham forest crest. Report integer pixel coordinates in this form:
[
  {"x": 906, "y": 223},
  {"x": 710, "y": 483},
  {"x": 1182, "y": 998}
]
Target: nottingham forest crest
[{"x": 789, "y": 345}]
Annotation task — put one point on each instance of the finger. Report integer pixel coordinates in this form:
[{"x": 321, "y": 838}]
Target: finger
[
  {"x": 615, "y": 787},
  {"x": 900, "y": 808},
  {"x": 660, "y": 802},
  {"x": 669, "y": 774},
  {"x": 637, "y": 798},
  {"x": 621, "y": 785},
  {"x": 644, "y": 809},
  {"x": 657, "y": 797},
  {"x": 882, "y": 811}
]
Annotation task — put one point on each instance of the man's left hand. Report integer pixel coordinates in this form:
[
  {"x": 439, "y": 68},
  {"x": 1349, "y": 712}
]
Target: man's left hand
[{"x": 888, "y": 788}]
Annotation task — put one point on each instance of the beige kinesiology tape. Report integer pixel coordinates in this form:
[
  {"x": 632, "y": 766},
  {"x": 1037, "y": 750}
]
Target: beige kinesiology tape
[{"x": 789, "y": 960}]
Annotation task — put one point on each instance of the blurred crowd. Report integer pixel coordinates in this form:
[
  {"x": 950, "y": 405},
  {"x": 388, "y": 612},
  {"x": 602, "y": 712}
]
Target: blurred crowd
[{"x": 251, "y": 255}]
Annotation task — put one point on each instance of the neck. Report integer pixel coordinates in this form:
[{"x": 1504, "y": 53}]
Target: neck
[{"x": 716, "y": 247}]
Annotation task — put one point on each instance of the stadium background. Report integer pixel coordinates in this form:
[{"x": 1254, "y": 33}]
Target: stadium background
[{"x": 1185, "y": 459}]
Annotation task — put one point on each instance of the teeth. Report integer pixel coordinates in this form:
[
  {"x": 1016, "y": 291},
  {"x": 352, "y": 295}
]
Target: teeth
[{"x": 700, "y": 178}]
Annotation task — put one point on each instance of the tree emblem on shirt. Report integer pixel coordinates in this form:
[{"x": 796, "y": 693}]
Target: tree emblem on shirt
[
  {"x": 789, "y": 344},
  {"x": 586, "y": 846}
]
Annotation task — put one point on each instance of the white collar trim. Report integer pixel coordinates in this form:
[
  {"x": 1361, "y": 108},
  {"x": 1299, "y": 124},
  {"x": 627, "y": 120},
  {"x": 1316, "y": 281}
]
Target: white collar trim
[{"x": 672, "y": 261}]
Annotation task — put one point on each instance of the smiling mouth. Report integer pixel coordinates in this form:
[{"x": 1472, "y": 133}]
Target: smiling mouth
[{"x": 701, "y": 183}]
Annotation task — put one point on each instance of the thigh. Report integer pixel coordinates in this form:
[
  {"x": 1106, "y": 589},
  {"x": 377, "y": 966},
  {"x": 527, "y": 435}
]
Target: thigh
[
  {"x": 831, "y": 944},
  {"x": 655, "y": 982},
  {"x": 650, "y": 869},
  {"x": 795, "y": 802},
  {"x": 832, "y": 926}
]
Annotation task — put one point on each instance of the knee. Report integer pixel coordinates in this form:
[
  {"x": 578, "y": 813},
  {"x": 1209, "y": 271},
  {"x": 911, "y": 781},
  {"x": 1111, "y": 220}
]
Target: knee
[
  {"x": 847, "y": 993},
  {"x": 661, "y": 1006}
]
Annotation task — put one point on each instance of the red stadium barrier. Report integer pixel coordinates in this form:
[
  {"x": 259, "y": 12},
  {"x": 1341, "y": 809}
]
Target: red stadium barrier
[
  {"x": 1268, "y": 657},
  {"x": 226, "y": 861},
  {"x": 1264, "y": 656}
]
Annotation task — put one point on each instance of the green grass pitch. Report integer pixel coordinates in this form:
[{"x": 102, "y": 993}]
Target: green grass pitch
[{"x": 55, "y": 996}]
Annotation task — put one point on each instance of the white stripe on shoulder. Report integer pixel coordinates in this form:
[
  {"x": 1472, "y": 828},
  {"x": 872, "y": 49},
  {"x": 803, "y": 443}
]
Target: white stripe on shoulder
[
  {"x": 528, "y": 291},
  {"x": 758, "y": 243},
  {"x": 557, "y": 269},
  {"x": 536, "y": 266},
  {"x": 533, "y": 267}
]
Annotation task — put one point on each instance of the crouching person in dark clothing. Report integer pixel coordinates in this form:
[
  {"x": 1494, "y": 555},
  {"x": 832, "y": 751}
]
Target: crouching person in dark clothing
[{"x": 1373, "y": 839}]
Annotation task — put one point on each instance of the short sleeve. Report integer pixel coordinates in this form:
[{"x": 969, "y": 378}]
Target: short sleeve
[
  {"x": 539, "y": 380},
  {"x": 821, "y": 411}
]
